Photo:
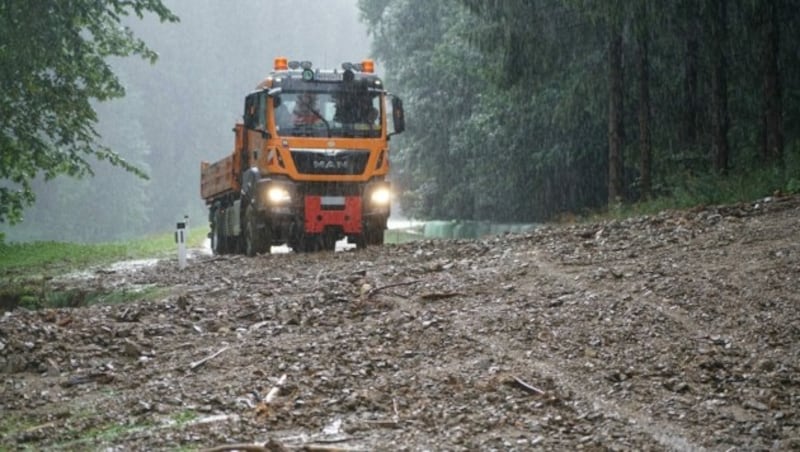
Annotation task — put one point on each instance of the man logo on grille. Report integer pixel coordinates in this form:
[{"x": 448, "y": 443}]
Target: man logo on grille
[{"x": 329, "y": 163}]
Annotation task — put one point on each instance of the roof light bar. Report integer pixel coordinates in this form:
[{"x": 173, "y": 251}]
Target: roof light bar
[{"x": 368, "y": 66}]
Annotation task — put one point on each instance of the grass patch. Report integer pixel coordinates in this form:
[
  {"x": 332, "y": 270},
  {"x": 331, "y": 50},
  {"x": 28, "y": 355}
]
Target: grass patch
[
  {"x": 105, "y": 433},
  {"x": 111, "y": 432},
  {"x": 54, "y": 258},
  {"x": 32, "y": 295},
  {"x": 13, "y": 424},
  {"x": 184, "y": 417},
  {"x": 26, "y": 270},
  {"x": 704, "y": 190},
  {"x": 79, "y": 297},
  {"x": 401, "y": 236}
]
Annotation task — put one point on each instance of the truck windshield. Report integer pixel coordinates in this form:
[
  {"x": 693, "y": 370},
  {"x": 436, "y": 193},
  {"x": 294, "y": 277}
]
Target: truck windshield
[{"x": 343, "y": 114}]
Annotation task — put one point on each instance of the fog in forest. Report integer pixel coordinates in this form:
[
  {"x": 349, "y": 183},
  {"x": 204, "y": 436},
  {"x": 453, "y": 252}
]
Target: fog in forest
[
  {"x": 181, "y": 110},
  {"x": 515, "y": 111}
]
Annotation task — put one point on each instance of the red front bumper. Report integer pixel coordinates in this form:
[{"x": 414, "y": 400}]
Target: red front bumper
[{"x": 337, "y": 211}]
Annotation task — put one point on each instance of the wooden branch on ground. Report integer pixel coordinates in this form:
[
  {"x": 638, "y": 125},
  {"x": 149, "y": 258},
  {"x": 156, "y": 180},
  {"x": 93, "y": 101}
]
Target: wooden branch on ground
[
  {"x": 275, "y": 389},
  {"x": 215, "y": 259},
  {"x": 440, "y": 295},
  {"x": 271, "y": 445},
  {"x": 317, "y": 448},
  {"x": 375, "y": 290},
  {"x": 241, "y": 446},
  {"x": 208, "y": 358},
  {"x": 274, "y": 446},
  {"x": 98, "y": 377},
  {"x": 525, "y": 386},
  {"x": 386, "y": 423}
]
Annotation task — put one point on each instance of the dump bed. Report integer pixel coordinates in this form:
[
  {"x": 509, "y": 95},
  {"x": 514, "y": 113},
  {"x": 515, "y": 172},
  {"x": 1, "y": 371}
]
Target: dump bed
[
  {"x": 222, "y": 177},
  {"x": 218, "y": 178}
]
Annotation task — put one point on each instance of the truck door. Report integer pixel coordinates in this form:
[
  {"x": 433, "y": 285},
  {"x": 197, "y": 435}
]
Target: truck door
[{"x": 256, "y": 134}]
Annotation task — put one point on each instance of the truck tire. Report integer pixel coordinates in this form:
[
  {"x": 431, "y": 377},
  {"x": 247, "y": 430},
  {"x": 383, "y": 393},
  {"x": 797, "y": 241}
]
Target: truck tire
[
  {"x": 215, "y": 240},
  {"x": 218, "y": 239},
  {"x": 369, "y": 237},
  {"x": 256, "y": 240},
  {"x": 307, "y": 243},
  {"x": 375, "y": 236},
  {"x": 328, "y": 241}
]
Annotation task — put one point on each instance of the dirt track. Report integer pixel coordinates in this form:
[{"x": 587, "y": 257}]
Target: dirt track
[{"x": 679, "y": 331}]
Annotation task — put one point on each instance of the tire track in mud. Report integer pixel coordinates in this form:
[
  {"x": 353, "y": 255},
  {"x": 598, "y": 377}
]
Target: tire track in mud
[
  {"x": 675, "y": 313},
  {"x": 690, "y": 321},
  {"x": 668, "y": 435}
]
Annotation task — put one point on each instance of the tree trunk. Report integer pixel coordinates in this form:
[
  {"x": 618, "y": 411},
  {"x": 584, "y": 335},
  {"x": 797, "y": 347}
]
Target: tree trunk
[
  {"x": 645, "y": 144},
  {"x": 615, "y": 106},
  {"x": 772, "y": 134},
  {"x": 720, "y": 120},
  {"x": 691, "y": 114}
]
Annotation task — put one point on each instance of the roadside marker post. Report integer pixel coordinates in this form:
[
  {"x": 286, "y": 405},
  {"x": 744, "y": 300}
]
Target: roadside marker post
[{"x": 180, "y": 239}]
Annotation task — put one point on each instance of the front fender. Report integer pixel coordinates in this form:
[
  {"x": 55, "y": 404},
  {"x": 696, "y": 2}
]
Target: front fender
[{"x": 250, "y": 179}]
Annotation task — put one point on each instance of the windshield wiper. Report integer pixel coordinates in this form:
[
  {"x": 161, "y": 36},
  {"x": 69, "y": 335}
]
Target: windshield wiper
[
  {"x": 324, "y": 121},
  {"x": 307, "y": 106}
]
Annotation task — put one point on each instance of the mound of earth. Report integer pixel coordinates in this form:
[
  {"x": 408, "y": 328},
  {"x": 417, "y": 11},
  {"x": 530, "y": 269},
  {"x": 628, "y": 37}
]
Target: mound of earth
[{"x": 677, "y": 331}]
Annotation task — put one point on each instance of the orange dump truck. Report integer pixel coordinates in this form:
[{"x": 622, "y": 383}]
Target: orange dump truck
[{"x": 310, "y": 162}]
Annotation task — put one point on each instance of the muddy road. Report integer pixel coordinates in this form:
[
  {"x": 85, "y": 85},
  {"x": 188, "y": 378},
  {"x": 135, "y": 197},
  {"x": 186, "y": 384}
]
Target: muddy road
[{"x": 677, "y": 331}]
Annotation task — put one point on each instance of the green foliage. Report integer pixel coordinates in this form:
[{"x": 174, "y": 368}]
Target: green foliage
[
  {"x": 53, "y": 65},
  {"x": 110, "y": 206},
  {"x": 792, "y": 168},
  {"x": 689, "y": 190},
  {"x": 508, "y": 103}
]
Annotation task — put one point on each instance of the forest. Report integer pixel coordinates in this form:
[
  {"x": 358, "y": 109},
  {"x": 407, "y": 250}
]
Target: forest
[
  {"x": 518, "y": 111},
  {"x": 523, "y": 111}
]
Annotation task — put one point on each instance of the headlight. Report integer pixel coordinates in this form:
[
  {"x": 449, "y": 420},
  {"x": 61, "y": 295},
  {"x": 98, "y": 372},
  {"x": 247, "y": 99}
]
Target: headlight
[
  {"x": 381, "y": 196},
  {"x": 278, "y": 195}
]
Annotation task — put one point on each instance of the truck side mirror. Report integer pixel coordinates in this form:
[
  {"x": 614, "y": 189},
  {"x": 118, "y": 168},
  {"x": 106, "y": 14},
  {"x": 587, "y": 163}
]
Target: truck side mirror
[{"x": 398, "y": 116}]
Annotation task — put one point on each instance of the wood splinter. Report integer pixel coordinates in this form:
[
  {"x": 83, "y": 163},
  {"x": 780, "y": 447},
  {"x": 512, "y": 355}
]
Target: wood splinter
[
  {"x": 375, "y": 290},
  {"x": 275, "y": 389},
  {"x": 208, "y": 358},
  {"x": 525, "y": 386}
]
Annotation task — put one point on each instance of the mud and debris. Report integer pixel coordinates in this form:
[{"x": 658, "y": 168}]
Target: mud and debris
[{"x": 676, "y": 331}]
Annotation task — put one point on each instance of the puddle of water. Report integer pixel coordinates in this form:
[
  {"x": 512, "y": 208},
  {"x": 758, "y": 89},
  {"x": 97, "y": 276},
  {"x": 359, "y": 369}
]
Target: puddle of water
[{"x": 132, "y": 265}]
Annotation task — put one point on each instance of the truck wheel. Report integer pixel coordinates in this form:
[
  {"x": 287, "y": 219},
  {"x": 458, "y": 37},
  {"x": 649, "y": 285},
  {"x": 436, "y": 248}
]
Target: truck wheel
[
  {"x": 328, "y": 241},
  {"x": 361, "y": 240},
  {"x": 375, "y": 236},
  {"x": 256, "y": 240},
  {"x": 218, "y": 239},
  {"x": 215, "y": 240},
  {"x": 307, "y": 243},
  {"x": 369, "y": 237},
  {"x": 313, "y": 243}
]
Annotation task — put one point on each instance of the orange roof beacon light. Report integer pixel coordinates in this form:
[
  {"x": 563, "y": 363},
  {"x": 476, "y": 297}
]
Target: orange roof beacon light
[
  {"x": 368, "y": 66},
  {"x": 281, "y": 64}
]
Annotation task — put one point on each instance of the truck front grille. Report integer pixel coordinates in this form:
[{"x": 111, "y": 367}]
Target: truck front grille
[{"x": 330, "y": 161}]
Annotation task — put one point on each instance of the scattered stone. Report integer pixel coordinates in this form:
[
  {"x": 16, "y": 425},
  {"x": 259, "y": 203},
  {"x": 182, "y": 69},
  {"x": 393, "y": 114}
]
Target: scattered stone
[{"x": 671, "y": 331}]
